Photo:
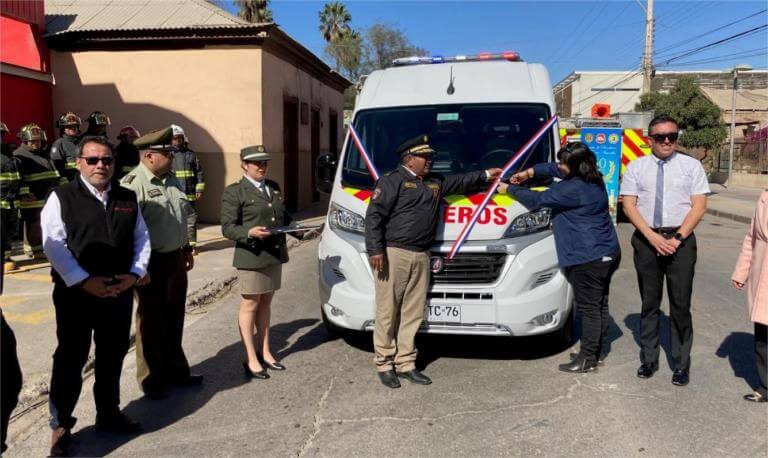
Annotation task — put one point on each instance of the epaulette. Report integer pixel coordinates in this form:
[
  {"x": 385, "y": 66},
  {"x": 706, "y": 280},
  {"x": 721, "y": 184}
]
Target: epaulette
[{"x": 129, "y": 179}]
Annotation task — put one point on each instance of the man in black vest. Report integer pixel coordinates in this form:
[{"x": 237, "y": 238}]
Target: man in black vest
[{"x": 98, "y": 246}]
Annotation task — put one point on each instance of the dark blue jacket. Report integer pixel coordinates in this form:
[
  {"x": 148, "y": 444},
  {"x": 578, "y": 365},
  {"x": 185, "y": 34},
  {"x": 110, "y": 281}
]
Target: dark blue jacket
[{"x": 581, "y": 223}]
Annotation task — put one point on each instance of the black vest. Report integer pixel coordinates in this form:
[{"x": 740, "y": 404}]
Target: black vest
[{"x": 101, "y": 241}]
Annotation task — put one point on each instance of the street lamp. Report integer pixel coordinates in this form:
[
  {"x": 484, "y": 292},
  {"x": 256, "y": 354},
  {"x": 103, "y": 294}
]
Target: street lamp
[{"x": 735, "y": 70}]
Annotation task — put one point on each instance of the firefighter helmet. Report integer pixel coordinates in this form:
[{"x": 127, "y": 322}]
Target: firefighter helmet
[
  {"x": 98, "y": 118},
  {"x": 177, "y": 130},
  {"x": 31, "y": 132},
  {"x": 127, "y": 131},
  {"x": 68, "y": 119},
  {"x": 3, "y": 128}
]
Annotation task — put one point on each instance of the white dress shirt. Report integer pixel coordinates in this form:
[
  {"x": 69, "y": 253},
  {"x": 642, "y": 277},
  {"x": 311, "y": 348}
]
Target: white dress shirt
[
  {"x": 683, "y": 177},
  {"x": 55, "y": 239},
  {"x": 260, "y": 185}
]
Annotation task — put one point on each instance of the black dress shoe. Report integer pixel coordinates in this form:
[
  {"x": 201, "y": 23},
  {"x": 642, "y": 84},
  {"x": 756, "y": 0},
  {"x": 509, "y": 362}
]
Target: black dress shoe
[
  {"x": 261, "y": 375},
  {"x": 600, "y": 359},
  {"x": 389, "y": 379},
  {"x": 415, "y": 377},
  {"x": 118, "y": 423},
  {"x": 755, "y": 397},
  {"x": 276, "y": 366},
  {"x": 646, "y": 370},
  {"x": 579, "y": 364},
  {"x": 191, "y": 380},
  {"x": 680, "y": 377}
]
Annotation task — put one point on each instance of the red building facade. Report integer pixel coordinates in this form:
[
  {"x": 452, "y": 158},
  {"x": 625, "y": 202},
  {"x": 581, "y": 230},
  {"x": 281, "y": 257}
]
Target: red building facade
[{"x": 25, "y": 73}]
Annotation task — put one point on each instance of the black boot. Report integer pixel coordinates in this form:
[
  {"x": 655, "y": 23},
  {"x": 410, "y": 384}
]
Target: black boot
[{"x": 579, "y": 364}]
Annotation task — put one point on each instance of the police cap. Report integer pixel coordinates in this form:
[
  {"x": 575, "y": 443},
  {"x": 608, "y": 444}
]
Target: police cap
[
  {"x": 158, "y": 140},
  {"x": 254, "y": 153},
  {"x": 418, "y": 145}
]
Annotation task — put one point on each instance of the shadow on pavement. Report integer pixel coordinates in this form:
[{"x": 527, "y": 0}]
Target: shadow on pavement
[
  {"x": 738, "y": 347},
  {"x": 632, "y": 321},
  {"x": 222, "y": 372},
  {"x": 214, "y": 246}
]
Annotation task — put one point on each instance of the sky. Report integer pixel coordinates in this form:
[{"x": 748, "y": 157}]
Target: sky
[{"x": 563, "y": 35}]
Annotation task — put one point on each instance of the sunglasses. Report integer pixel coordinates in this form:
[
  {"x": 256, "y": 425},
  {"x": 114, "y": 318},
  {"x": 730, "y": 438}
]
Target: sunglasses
[
  {"x": 93, "y": 160},
  {"x": 660, "y": 138}
]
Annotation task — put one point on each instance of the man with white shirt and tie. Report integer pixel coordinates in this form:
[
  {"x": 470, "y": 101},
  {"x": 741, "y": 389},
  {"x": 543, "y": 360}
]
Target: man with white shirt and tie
[
  {"x": 665, "y": 197},
  {"x": 97, "y": 242}
]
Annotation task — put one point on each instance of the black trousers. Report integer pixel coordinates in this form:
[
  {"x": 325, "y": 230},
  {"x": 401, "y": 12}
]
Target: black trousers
[
  {"x": 160, "y": 358},
  {"x": 80, "y": 315},
  {"x": 591, "y": 284},
  {"x": 761, "y": 357},
  {"x": 10, "y": 377},
  {"x": 678, "y": 269}
]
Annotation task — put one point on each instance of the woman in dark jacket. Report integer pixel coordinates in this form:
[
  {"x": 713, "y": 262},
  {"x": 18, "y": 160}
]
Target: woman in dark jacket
[
  {"x": 585, "y": 239},
  {"x": 249, "y": 207}
]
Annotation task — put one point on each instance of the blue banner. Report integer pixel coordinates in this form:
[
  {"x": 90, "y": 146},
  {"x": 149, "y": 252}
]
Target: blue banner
[{"x": 606, "y": 144}]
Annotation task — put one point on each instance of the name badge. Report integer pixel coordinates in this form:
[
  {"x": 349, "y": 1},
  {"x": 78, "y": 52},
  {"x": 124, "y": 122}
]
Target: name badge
[
  {"x": 408, "y": 184},
  {"x": 155, "y": 193}
]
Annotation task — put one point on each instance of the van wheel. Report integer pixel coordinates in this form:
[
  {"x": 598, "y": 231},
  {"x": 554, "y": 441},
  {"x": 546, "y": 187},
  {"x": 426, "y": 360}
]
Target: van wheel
[{"x": 565, "y": 335}]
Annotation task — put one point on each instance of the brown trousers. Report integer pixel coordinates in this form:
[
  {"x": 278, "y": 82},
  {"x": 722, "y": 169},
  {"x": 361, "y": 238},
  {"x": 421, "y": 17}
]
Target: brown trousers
[
  {"x": 160, "y": 359},
  {"x": 401, "y": 294}
]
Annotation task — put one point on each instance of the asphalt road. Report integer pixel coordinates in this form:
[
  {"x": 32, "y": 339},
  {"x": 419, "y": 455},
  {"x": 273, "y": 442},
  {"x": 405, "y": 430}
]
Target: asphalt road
[{"x": 491, "y": 396}]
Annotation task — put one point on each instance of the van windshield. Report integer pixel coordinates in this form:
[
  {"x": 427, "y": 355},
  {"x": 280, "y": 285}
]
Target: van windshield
[{"x": 465, "y": 137}]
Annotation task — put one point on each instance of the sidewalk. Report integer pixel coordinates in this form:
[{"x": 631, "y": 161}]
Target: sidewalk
[
  {"x": 28, "y": 306},
  {"x": 734, "y": 203}
]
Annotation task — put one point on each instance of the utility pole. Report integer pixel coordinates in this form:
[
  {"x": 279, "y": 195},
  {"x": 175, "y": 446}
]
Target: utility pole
[{"x": 648, "y": 52}]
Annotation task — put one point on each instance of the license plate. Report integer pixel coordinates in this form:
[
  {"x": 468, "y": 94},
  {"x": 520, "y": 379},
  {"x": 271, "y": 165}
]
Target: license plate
[{"x": 439, "y": 313}]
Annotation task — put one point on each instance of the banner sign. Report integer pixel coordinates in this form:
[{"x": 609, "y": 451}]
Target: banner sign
[{"x": 606, "y": 144}]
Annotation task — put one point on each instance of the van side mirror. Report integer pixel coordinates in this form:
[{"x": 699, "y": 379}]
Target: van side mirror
[{"x": 325, "y": 171}]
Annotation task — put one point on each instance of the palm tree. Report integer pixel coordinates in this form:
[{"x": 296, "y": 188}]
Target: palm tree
[
  {"x": 334, "y": 20},
  {"x": 254, "y": 11}
]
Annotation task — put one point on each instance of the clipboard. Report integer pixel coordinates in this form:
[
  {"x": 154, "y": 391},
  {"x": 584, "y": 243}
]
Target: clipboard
[{"x": 293, "y": 228}]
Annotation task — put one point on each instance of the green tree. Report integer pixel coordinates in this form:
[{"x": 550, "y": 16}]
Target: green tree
[
  {"x": 255, "y": 11},
  {"x": 346, "y": 51},
  {"x": 698, "y": 116},
  {"x": 334, "y": 21},
  {"x": 385, "y": 43}
]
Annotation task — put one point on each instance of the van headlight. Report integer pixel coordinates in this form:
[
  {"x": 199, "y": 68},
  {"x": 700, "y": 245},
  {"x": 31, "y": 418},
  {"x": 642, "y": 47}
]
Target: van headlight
[
  {"x": 527, "y": 223},
  {"x": 344, "y": 219}
]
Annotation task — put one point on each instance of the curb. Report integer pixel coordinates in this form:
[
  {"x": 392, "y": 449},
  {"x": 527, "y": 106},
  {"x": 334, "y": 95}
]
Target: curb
[
  {"x": 36, "y": 393},
  {"x": 729, "y": 215}
]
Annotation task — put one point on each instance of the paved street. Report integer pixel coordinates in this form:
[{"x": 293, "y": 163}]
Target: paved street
[{"x": 491, "y": 396}]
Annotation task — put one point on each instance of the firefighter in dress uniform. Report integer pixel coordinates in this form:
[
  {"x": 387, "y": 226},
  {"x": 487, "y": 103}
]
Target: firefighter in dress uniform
[{"x": 400, "y": 228}]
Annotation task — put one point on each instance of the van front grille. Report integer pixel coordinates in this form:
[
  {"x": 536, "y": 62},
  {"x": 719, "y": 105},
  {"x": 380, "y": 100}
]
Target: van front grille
[{"x": 470, "y": 268}]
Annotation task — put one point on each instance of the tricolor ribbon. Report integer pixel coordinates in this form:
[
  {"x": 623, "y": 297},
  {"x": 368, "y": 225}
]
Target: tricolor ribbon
[
  {"x": 363, "y": 153},
  {"x": 521, "y": 153}
]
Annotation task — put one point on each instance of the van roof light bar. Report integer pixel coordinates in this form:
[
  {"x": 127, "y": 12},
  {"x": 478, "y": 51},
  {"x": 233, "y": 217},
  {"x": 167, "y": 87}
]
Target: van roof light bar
[{"x": 510, "y": 56}]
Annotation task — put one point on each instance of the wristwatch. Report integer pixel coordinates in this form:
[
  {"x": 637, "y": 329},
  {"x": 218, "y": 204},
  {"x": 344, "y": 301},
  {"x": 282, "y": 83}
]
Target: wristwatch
[{"x": 679, "y": 237}]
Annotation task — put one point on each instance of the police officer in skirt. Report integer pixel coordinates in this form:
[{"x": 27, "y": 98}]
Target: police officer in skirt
[
  {"x": 400, "y": 228},
  {"x": 248, "y": 209}
]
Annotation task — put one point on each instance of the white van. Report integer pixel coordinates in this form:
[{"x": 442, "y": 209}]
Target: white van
[{"x": 478, "y": 111}]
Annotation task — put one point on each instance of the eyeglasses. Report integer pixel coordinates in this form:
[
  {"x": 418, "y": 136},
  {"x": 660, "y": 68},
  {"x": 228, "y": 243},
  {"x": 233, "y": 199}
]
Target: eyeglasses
[
  {"x": 660, "y": 138},
  {"x": 93, "y": 160}
]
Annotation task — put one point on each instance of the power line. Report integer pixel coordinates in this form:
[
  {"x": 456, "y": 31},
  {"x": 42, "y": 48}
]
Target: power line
[
  {"x": 680, "y": 43},
  {"x": 699, "y": 49},
  {"x": 720, "y": 59},
  {"x": 558, "y": 51}
]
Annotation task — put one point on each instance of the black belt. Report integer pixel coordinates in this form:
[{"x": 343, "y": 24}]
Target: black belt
[{"x": 665, "y": 230}]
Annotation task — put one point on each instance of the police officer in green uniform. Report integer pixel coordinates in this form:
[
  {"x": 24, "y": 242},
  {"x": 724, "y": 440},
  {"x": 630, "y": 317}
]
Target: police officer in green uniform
[
  {"x": 160, "y": 359},
  {"x": 189, "y": 173},
  {"x": 64, "y": 150},
  {"x": 127, "y": 156},
  {"x": 10, "y": 182},
  {"x": 248, "y": 209},
  {"x": 38, "y": 178}
]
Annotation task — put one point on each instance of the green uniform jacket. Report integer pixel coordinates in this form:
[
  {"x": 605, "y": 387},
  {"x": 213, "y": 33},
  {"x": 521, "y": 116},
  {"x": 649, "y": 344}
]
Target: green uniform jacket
[{"x": 243, "y": 206}]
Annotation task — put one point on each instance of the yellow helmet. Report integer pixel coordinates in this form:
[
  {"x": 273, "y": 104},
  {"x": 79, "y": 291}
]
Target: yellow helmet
[{"x": 31, "y": 132}]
